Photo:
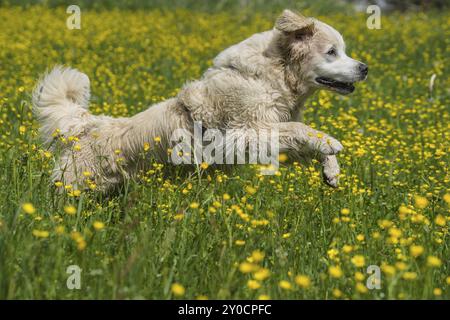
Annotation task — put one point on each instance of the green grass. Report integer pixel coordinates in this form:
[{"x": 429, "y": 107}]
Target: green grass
[{"x": 395, "y": 134}]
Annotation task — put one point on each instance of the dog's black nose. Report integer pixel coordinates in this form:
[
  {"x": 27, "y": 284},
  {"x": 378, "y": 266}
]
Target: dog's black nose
[{"x": 363, "y": 68}]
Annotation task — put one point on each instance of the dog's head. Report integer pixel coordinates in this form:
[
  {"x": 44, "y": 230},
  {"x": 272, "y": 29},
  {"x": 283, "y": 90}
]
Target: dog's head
[{"x": 314, "y": 55}]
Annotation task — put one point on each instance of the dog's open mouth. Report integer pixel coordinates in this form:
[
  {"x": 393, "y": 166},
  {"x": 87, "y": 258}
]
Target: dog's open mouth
[{"x": 341, "y": 87}]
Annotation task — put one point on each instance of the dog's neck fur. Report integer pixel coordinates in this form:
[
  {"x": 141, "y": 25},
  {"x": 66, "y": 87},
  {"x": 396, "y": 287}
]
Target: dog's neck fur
[
  {"x": 293, "y": 74},
  {"x": 261, "y": 52}
]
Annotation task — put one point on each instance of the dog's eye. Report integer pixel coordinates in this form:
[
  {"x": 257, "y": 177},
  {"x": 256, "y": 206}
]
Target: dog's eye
[{"x": 331, "y": 52}]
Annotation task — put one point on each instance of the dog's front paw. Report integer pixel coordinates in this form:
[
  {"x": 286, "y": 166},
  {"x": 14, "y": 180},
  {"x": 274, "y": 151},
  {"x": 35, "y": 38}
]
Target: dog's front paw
[
  {"x": 323, "y": 143},
  {"x": 331, "y": 171}
]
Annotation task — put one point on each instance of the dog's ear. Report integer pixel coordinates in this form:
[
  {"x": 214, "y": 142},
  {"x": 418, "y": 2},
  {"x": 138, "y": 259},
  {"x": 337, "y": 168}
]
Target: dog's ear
[{"x": 294, "y": 24}]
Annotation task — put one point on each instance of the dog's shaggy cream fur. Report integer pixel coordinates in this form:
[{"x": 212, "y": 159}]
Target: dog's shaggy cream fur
[{"x": 260, "y": 83}]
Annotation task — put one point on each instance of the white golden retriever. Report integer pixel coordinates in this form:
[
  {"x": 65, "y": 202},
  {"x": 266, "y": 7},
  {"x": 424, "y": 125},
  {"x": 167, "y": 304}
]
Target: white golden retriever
[{"x": 260, "y": 83}]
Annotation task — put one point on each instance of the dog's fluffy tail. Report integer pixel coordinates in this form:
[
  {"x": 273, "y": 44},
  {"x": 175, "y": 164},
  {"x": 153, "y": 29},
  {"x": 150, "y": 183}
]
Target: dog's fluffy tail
[{"x": 60, "y": 101}]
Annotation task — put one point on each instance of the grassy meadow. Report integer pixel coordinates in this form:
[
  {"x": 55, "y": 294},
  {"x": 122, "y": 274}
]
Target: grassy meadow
[{"x": 232, "y": 233}]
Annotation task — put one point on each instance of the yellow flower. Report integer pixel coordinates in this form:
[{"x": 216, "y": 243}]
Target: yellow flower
[
  {"x": 395, "y": 232},
  {"x": 253, "y": 284},
  {"x": 433, "y": 261},
  {"x": 263, "y": 297},
  {"x": 201, "y": 297},
  {"x": 28, "y": 208},
  {"x": 78, "y": 238},
  {"x": 303, "y": 281},
  {"x": 437, "y": 291},
  {"x": 146, "y": 146},
  {"x": 337, "y": 293},
  {"x": 75, "y": 235},
  {"x": 384, "y": 224},
  {"x": 261, "y": 274},
  {"x": 204, "y": 165},
  {"x": 239, "y": 242},
  {"x": 178, "y": 289},
  {"x": 358, "y": 261},
  {"x": 257, "y": 255},
  {"x": 60, "y": 229},
  {"x": 58, "y": 184},
  {"x": 440, "y": 220},
  {"x": 361, "y": 288},
  {"x": 420, "y": 202},
  {"x": 332, "y": 253},
  {"x": 98, "y": 225},
  {"x": 81, "y": 245},
  {"x": 286, "y": 235},
  {"x": 447, "y": 198},
  {"x": 409, "y": 275},
  {"x": 335, "y": 271},
  {"x": 194, "y": 205},
  {"x": 282, "y": 157},
  {"x": 403, "y": 210},
  {"x": 179, "y": 216},
  {"x": 345, "y": 211},
  {"x": 401, "y": 265},
  {"x": 347, "y": 249},
  {"x": 286, "y": 285},
  {"x": 47, "y": 154},
  {"x": 157, "y": 139},
  {"x": 86, "y": 174},
  {"x": 250, "y": 190},
  {"x": 246, "y": 267},
  {"x": 226, "y": 196},
  {"x": 359, "y": 276},
  {"x": 447, "y": 280},
  {"x": 416, "y": 250},
  {"x": 360, "y": 237},
  {"x": 40, "y": 233},
  {"x": 70, "y": 210}
]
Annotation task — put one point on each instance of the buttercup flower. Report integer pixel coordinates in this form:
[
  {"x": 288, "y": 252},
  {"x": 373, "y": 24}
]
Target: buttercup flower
[
  {"x": 335, "y": 271},
  {"x": 303, "y": 281},
  {"x": 178, "y": 289},
  {"x": 28, "y": 208}
]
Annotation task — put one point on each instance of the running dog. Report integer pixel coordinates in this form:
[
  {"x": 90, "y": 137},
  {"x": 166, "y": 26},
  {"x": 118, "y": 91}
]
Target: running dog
[{"x": 259, "y": 83}]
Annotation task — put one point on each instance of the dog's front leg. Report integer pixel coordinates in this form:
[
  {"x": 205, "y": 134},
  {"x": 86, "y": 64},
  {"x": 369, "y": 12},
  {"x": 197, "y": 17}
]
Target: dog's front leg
[
  {"x": 306, "y": 141},
  {"x": 331, "y": 171},
  {"x": 298, "y": 139}
]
